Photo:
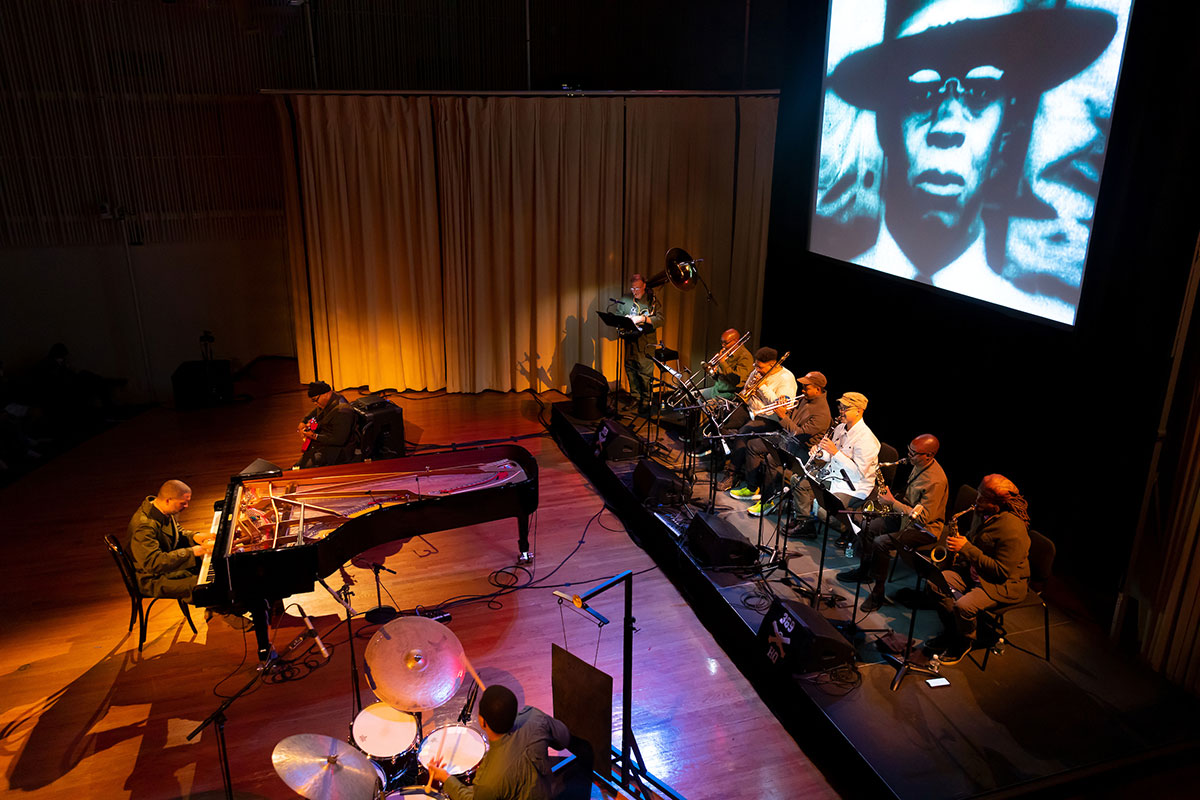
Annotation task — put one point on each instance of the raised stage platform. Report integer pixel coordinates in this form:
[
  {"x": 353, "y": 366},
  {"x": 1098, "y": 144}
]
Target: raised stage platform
[{"x": 1084, "y": 723}]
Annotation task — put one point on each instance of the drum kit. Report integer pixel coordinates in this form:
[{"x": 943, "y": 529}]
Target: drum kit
[{"x": 414, "y": 665}]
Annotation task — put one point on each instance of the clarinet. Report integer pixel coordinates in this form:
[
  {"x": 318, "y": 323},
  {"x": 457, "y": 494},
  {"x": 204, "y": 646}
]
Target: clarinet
[
  {"x": 940, "y": 553},
  {"x": 816, "y": 448}
]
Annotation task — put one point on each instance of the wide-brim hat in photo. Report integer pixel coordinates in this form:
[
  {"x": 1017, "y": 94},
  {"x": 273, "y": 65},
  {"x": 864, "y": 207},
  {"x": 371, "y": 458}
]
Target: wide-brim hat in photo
[{"x": 1037, "y": 48}]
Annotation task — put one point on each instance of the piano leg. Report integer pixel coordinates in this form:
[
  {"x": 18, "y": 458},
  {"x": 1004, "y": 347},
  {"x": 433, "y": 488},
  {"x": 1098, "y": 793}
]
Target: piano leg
[
  {"x": 262, "y": 631},
  {"x": 523, "y": 533}
]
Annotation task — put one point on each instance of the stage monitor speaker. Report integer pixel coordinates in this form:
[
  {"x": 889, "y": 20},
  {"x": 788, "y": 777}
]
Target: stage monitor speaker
[
  {"x": 656, "y": 485},
  {"x": 589, "y": 393},
  {"x": 379, "y": 424},
  {"x": 615, "y": 442},
  {"x": 717, "y": 543},
  {"x": 197, "y": 384},
  {"x": 794, "y": 636}
]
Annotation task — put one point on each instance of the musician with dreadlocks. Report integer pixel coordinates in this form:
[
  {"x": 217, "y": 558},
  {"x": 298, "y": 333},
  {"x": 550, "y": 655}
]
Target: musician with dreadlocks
[{"x": 991, "y": 565}]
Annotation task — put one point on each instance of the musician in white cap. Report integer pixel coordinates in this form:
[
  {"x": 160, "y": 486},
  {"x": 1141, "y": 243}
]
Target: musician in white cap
[{"x": 845, "y": 461}]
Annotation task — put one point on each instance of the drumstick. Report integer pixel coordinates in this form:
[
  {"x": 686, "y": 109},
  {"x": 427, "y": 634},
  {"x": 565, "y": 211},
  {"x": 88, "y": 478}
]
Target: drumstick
[
  {"x": 471, "y": 670},
  {"x": 436, "y": 759}
]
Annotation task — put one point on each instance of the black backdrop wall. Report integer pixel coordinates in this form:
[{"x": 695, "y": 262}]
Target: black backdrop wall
[{"x": 1069, "y": 414}]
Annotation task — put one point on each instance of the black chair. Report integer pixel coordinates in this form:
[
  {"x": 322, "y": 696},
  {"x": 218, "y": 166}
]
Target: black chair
[
  {"x": 1041, "y": 562},
  {"x": 129, "y": 575}
]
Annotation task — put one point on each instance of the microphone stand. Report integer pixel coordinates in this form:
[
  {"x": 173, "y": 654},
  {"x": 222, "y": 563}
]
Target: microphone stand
[
  {"x": 343, "y": 596},
  {"x": 380, "y": 614},
  {"x": 931, "y": 573},
  {"x": 218, "y": 719}
]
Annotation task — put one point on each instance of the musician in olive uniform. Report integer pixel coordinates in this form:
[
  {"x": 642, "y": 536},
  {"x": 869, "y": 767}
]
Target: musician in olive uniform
[
  {"x": 922, "y": 512},
  {"x": 327, "y": 428},
  {"x": 165, "y": 556},
  {"x": 642, "y": 308},
  {"x": 516, "y": 765},
  {"x": 991, "y": 565},
  {"x": 732, "y": 370}
]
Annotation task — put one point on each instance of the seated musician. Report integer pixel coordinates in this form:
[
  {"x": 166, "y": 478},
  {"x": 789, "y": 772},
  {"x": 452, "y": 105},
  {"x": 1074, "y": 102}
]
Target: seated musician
[
  {"x": 845, "y": 462},
  {"x": 326, "y": 429},
  {"x": 769, "y": 383},
  {"x": 922, "y": 504},
  {"x": 165, "y": 556},
  {"x": 731, "y": 369},
  {"x": 516, "y": 765},
  {"x": 803, "y": 425},
  {"x": 991, "y": 566}
]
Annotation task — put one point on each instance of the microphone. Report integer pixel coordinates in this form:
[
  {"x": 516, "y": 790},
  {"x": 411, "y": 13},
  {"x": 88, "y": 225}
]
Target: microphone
[
  {"x": 614, "y": 301},
  {"x": 313, "y": 632},
  {"x": 846, "y": 478}
]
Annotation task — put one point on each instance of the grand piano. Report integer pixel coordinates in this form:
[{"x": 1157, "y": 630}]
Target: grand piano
[{"x": 279, "y": 533}]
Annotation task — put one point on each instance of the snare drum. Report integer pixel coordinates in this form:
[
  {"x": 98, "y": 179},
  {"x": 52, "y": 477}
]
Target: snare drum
[
  {"x": 458, "y": 747},
  {"x": 415, "y": 793},
  {"x": 387, "y": 736}
]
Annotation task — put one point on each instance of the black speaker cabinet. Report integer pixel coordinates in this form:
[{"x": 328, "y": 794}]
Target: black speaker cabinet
[
  {"x": 379, "y": 424},
  {"x": 656, "y": 485},
  {"x": 589, "y": 393},
  {"x": 795, "y": 637},
  {"x": 717, "y": 543},
  {"x": 615, "y": 442}
]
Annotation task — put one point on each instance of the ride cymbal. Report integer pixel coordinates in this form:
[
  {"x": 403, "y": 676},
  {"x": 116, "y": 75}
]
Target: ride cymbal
[{"x": 415, "y": 664}]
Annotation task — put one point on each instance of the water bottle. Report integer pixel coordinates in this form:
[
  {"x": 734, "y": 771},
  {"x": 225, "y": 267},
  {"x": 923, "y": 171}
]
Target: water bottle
[{"x": 850, "y": 549}]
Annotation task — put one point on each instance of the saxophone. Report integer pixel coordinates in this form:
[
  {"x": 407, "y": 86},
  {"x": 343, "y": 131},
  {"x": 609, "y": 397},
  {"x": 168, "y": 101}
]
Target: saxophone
[
  {"x": 940, "y": 553},
  {"x": 880, "y": 485}
]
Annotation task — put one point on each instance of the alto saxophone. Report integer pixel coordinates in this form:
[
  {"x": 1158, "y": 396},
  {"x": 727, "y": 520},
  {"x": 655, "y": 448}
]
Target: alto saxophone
[
  {"x": 940, "y": 553},
  {"x": 880, "y": 486}
]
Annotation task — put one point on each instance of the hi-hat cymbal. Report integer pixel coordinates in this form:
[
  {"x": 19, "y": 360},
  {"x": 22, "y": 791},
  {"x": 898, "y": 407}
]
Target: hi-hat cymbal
[
  {"x": 415, "y": 664},
  {"x": 323, "y": 768}
]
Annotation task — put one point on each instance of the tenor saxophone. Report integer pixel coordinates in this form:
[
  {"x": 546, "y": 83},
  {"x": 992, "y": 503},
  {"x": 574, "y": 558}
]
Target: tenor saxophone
[{"x": 940, "y": 553}]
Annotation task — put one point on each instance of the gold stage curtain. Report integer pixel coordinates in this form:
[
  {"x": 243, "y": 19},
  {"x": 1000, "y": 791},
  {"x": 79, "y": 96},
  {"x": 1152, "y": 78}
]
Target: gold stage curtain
[{"x": 468, "y": 242}]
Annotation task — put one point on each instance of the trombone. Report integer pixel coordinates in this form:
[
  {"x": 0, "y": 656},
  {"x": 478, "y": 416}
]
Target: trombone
[{"x": 725, "y": 352}]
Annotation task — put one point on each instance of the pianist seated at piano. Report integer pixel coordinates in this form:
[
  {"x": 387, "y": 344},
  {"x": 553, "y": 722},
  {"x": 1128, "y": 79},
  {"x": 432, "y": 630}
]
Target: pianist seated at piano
[
  {"x": 326, "y": 430},
  {"x": 166, "y": 557}
]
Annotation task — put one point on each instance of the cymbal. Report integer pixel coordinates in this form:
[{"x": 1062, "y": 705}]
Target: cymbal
[
  {"x": 323, "y": 768},
  {"x": 415, "y": 664}
]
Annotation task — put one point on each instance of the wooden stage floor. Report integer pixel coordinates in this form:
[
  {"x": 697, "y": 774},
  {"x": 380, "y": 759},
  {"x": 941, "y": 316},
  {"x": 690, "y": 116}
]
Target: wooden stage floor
[{"x": 84, "y": 715}]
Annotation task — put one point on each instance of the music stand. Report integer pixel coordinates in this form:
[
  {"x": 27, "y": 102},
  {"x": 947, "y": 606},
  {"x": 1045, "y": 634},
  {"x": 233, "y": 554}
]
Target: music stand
[
  {"x": 864, "y": 531},
  {"x": 832, "y": 505},
  {"x": 932, "y": 573},
  {"x": 624, "y": 326}
]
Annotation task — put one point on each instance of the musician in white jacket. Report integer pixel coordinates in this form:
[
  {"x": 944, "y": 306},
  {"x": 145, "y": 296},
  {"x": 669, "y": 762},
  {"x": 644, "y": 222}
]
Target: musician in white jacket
[{"x": 845, "y": 461}]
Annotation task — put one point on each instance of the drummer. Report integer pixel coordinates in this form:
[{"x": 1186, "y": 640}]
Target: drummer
[{"x": 516, "y": 765}]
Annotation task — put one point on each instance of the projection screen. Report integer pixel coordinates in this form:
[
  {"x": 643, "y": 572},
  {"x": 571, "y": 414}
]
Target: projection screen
[{"x": 963, "y": 143}]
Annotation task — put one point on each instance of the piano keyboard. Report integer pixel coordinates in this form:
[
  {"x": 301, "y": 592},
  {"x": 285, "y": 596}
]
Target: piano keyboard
[{"x": 206, "y": 565}]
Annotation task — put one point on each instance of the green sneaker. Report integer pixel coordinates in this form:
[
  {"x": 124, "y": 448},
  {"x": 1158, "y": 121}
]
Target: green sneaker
[
  {"x": 744, "y": 493},
  {"x": 762, "y": 508}
]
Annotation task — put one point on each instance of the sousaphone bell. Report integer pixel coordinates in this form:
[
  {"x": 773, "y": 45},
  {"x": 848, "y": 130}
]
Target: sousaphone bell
[{"x": 680, "y": 271}]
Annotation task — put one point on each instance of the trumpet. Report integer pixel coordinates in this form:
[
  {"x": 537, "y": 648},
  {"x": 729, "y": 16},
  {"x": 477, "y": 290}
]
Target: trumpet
[
  {"x": 750, "y": 390},
  {"x": 940, "y": 553},
  {"x": 784, "y": 403},
  {"x": 725, "y": 352}
]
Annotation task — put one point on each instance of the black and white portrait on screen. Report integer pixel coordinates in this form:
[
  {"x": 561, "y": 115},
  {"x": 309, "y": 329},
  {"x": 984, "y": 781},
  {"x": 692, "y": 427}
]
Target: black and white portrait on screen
[{"x": 963, "y": 142}]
